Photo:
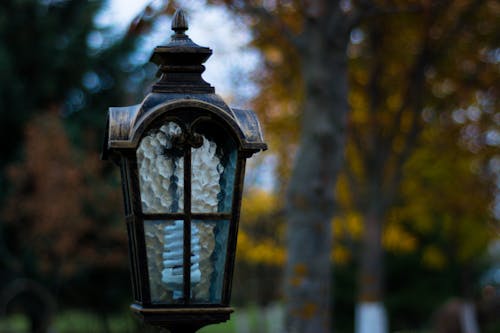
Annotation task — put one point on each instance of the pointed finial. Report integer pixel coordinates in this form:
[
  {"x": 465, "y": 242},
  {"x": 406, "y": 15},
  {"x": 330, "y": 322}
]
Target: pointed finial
[
  {"x": 180, "y": 61},
  {"x": 179, "y": 22}
]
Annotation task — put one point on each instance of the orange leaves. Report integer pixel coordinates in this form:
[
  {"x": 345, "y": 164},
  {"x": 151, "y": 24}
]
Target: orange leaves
[{"x": 54, "y": 190}]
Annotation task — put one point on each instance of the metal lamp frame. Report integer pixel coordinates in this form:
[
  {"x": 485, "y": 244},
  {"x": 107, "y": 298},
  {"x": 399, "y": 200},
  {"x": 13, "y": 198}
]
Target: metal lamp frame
[{"x": 183, "y": 97}]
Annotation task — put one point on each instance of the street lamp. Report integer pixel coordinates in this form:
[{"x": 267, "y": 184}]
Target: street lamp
[{"x": 182, "y": 155}]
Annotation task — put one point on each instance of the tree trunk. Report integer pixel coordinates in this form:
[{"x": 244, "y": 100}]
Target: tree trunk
[
  {"x": 370, "y": 311},
  {"x": 310, "y": 196},
  {"x": 371, "y": 268}
]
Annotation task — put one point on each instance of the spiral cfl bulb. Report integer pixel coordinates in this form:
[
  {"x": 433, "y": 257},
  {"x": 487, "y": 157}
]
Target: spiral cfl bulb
[{"x": 173, "y": 257}]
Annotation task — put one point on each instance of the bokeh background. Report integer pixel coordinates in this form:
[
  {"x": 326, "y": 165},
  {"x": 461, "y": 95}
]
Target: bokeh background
[{"x": 421, "y": 150}]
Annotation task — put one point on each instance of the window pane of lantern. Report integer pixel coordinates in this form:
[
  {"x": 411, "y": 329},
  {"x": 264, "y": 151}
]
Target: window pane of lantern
[
  {"x": 161, "y": 170},
  {"x": 164, "y": 246},
  {"x": 213, "y": 172},
  {"x": 208, "y": 259}
]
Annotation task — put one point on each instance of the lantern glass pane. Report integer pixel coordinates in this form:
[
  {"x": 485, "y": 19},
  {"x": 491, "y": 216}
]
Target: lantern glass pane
[
  {"x": 208, "y": 260},
  {"x": 164, "y": 247},
  {"x": 213, "y": 172},
  {"x": 161, "y": 170}
]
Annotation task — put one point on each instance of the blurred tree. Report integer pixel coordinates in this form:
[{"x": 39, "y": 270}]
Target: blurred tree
[
  {"x": 408, "y": 61},
  {"x": 59, "y": 74},
  {"x": 39, "y": 40},
  {"x": 436, "y": 234},
  {"x": 433, "y": 65},
  {"x": 261, "y": 251},
  {"x": 260, "y": 238},
  {"x": 49, "y": 202},
  {"x": 307, "y": 40},
  {"x": 58, "y": 214},
  {"x": 449, "y": 204}
]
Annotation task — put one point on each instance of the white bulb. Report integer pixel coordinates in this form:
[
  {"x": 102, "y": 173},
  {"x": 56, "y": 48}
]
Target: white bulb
[{"x": 173, "y": 257}]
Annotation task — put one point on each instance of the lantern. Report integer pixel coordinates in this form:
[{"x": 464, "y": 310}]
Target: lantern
[{"x": 182, "y": 155}]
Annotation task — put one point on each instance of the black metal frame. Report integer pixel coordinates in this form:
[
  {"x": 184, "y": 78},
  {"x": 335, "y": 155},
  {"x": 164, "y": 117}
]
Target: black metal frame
[
  {"x": 186, "y": 118},
  {"x": 182, "y": 96}
]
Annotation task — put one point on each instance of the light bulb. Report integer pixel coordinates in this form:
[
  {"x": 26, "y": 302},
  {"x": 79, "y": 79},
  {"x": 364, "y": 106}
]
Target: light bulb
[
  {"x": 173, "y": 257},
  {"x": 205, "y": 187},
  {"x": 162, "y": 191}
]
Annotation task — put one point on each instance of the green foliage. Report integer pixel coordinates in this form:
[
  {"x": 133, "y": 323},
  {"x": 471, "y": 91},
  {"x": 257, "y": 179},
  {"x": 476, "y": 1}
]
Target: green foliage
[
  {"x": 43, "y": 55},
  {"x": 61, "y": 208}
]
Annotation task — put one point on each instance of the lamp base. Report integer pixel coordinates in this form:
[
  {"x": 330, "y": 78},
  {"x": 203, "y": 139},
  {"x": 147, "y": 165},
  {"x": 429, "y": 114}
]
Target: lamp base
[{"x": 185, "y": 320}]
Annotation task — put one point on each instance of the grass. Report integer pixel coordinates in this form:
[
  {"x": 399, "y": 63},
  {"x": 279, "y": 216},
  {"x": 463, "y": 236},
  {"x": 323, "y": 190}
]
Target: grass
[
  {"x": 71, "y": 322},
  {"x": 84, "y": 322},
  {"x": 251, "y": 318}
]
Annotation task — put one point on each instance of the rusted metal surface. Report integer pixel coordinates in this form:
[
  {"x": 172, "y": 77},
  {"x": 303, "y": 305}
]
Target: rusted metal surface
[{"x": 127, "y": 124}]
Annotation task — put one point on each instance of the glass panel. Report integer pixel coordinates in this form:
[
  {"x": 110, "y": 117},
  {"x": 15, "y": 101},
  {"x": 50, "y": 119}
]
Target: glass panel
[
  {"x": 208, "y": 255},
  {"x": 213, "y": 173},
  {"x": 161, "y": 171},
  {"x": 164, "y": 246}
]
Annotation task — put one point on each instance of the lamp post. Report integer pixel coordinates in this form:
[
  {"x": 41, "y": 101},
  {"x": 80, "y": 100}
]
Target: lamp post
[{"x": 182, "y": 155}]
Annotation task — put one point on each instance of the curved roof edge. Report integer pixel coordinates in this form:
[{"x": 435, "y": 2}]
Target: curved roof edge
[{"x": 125, "y": 125}]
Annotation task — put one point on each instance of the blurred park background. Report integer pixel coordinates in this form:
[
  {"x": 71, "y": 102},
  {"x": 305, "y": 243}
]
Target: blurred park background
[{"x": 419, "y": 178}]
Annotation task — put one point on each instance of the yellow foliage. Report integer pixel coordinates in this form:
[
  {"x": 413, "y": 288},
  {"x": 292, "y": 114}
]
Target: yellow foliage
[
  {"x": 342, "y": 191},
  {"x": 394, "y": 101},
  {"x": 361, "y": 77},
  {"x": 257, "y": 248},
  {"x": 396, "y": 239},
  {"x": 407, "y": 122},
  {"x": 474, "y": 234},
  {"x": 263, "y": 251},
  {"x": 256, "y": 203},
  {"x": 340, "y": 255},
  {"x": 354, "y": 225},
  {"x": 359, "y": 106},
  {"x": 274, "y": 55},
  {"x": 350, "y": 226},
  {"x": 337, "y": 228},
  {"x": 432, "y": 257}
]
